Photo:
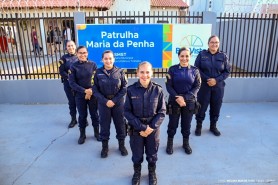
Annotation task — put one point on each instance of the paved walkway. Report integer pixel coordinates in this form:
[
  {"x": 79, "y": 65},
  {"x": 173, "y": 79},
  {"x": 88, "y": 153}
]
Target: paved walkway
[{"x": 36, "y": 148}]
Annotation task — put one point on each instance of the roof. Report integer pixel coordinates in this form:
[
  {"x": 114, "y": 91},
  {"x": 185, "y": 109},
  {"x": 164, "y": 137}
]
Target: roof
[
  {"x": 56, "y": 3},
  {"x": 169, "y": 3}
]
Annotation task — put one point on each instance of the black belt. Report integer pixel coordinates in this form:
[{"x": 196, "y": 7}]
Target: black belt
[
  {"x": 109, "y": 97},
  {"x": 145, "y": 120}
]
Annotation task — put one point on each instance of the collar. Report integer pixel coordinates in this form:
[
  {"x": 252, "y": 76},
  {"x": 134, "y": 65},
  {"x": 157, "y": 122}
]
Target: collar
[
  {"x": 188, "y": 67},
  {"x": 214, "y": 53},
  {"x": 139, "y": 85}
]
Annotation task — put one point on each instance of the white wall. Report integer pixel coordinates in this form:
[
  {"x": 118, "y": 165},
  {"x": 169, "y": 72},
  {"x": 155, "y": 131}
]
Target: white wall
[
  {"x": 131, "y": 5},
  {"x": 51, "y": 91}
]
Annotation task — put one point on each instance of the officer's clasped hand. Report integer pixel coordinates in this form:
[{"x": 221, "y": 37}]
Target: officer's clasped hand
[
  {"x": 211, "y": 82},
  {"x": 180, "y": 101},
  {"x": 89, "y": 93},
  {"x": 110, "y": 103},
  {"x": 147, "y": 132}
]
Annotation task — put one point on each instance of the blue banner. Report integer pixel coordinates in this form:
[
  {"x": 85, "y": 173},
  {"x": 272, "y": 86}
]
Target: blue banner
[{"x": 131, "y": 43}]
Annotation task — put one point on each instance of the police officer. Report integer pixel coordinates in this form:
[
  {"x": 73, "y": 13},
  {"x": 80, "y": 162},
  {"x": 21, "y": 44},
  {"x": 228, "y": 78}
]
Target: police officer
[
  {"x": 65, "y": 62},
  {"x": 80, "y": 80},
  {"x": 214, "y": 68},
  {"x": 110, "y": 88},
  {"x": 145, "y": 110},
  {"x": 183, "y": 83}
]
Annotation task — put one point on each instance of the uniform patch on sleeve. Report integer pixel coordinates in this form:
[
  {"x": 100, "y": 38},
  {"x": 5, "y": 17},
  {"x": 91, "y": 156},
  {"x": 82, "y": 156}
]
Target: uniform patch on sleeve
[
  {"x": 126, "y": 79},
  {"x": 69, "y": 71},
  {"x": 61, "y": 62}
]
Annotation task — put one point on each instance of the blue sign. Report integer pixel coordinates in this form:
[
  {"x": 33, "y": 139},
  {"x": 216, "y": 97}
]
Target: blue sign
[{"x": 131, "y": 43}]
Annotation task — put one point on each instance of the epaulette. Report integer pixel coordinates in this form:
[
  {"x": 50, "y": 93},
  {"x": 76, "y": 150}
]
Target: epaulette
[
  {"x": 61, "y": 62},
  {"x": 157, "y": 84},
  {"x": 194, "y": 67}
]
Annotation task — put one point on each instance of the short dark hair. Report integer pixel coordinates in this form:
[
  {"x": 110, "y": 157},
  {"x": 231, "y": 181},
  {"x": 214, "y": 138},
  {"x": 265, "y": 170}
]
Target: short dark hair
[
  {"x": 212, "y": 37},
  {"x": 183, "y": 49},
  {"x": 81, "y": 47},
  {"x": 107, "y": 51}
]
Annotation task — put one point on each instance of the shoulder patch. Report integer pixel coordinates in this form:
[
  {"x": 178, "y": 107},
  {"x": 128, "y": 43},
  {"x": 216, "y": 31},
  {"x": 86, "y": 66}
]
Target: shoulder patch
[
  {"x": 168, "y": 76},
  {"x": 69, "y": 71},
  {"x": 61, "y": 62},
  {"x": 157, "y": 84}
]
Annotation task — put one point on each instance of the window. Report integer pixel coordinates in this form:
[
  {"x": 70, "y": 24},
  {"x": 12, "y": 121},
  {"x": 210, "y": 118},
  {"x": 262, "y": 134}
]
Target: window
[{"x": 124, "y": 21}]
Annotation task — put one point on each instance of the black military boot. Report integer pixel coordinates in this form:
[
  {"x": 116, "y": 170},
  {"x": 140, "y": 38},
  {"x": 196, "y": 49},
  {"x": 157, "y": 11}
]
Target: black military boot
[
  {"x": 137, "y": 174},
  {"x": 104, "y": 151},
  {"x": 152, "y": 174},
  {"x": 96, "y": 133},
  {"x": 169, "y": 147},
  {"x": 198, "y": 129},
  {"x": 82, "y": 137},
  {"x": 73, "y": 122},
  {"x": 122, "y": 147},
  {"x": 214, "y": 130},
  {"x": 186, "y": 146}
]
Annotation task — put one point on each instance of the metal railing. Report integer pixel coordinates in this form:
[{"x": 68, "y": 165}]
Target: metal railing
[{"x": 249, "y": 40}]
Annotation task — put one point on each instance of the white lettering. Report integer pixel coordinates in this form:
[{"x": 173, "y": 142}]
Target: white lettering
[{"x": 144, "y": 44}]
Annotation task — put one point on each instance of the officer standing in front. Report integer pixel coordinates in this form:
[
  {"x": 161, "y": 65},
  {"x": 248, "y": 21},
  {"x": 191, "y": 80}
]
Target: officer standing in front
[
  {"x": 81, "y": 81},
  {"x": 214, "y": 68},
  {"x": 145, "y": 110},
  {"x": 65, "y": 62},
  {"x": 110, "y": 88},
  {"x": 183, "y": 83}
]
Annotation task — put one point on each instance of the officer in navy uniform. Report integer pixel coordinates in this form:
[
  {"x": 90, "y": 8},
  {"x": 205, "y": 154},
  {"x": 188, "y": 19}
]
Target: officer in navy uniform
[
  {"x": 145, "y": 110},
  {"x": 214, "y": 68},
  {"x": 81, "y": 81},
  {"x": 109, "y": 89},
  {"x": 183, "y": 83},
  {"x": 65, "y": 62}
]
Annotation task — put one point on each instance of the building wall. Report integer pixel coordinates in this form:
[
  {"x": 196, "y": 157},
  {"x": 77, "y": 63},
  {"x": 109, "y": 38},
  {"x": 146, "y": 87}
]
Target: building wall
[
  {"x": 131, "y": 5},
  {"x": 51, "y": 91}
]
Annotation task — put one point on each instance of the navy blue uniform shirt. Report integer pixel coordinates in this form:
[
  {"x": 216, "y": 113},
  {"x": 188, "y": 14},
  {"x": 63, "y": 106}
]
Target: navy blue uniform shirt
[
  {"x": 183, "y": 81},
  {"x": 145, "y": 103},
  {"x": 107, "y": 83},
  {"x": 81, "y": 76},
  {"x": 213, "y": 66},
  {"x": 65, "y": 62}
]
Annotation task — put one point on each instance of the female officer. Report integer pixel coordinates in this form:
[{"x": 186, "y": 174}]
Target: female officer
[
  {"x": 183, "y": 83},
  {"x": 65, "y": 62},
  {"x": 80, "y": 80},
  {"x": 214, "y": 69},
  {"x": 145, "y": 110},
  {"x": 110, "y": 88}
]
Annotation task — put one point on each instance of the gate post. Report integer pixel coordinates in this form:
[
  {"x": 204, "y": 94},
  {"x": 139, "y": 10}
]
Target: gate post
[
  {"x": 210, "y": 18},
  {"x": 78, "y": 18}
]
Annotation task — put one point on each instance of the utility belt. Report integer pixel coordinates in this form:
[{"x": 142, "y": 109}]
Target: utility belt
[
  {"x": 145, "y": 121},
  {"x": 109, "y": 97},
  {"x": 130, "y": 129},
  {"x": 172, "y": 108}
]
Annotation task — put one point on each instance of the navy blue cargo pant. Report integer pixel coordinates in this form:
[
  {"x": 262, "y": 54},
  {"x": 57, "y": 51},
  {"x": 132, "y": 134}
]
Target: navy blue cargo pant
[
  {"x": 139, "y": 144},
  {"x": 82, "y": 106},
  {"x": 71, "y": 99},
  {"x": 106, "y": 114},
  {"x": 186, "y": 118},
  {"x": 212, "y": 96}
]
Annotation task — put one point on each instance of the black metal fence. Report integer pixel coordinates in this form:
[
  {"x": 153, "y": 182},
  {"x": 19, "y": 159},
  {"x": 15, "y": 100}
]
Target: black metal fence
[{"x": 249, "y": 40}]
